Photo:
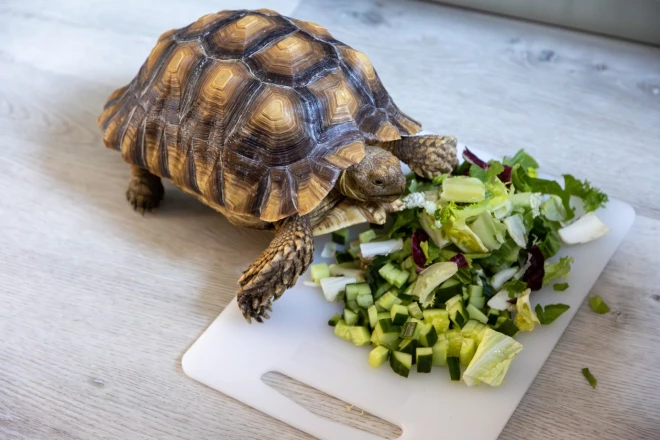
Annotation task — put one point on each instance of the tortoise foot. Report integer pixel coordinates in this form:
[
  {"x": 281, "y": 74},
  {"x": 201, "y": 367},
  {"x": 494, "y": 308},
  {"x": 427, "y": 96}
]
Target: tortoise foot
[
  {"x": 145, "y": 190},
  {"x": 277, "y": 268}
]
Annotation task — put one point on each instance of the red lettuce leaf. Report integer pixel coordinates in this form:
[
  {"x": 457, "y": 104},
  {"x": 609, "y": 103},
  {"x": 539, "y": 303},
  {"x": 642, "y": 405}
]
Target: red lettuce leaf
[
  {"x": 460, "y": 260},
  {"x": 472, "y": 158},
  {"x": 536, "y": 270},
  {"x": 505, "y": 176},
  {"x": 417, "y": 253}
]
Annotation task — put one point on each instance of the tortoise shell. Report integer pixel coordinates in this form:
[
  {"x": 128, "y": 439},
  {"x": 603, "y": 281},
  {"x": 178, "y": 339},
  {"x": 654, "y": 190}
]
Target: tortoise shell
[{"x": 253, "y": 112}]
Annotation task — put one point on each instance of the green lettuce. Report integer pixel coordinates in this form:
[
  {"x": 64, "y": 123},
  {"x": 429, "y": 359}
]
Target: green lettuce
[
  {"x": 492, "y": 359},
  {"x": 593, "y": 198},
  {"x": 550, "y": 313},
  {"x": 523, "y": 159},
  {"x": 556, "y": 270},
  {"x": 526, "y": 318}
]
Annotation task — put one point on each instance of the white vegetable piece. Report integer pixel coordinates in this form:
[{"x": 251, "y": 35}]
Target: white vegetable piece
[
  {"x": 336, "y": 270},
  {"x": 500, "y": 301},
  {"x": 587, "y": 228},
  {"x": 332, "y": 286},
  {"x": 386, "y": 247},
  {"x": 329, "y": 250},
  {"x": 414, "y": 200},
  {"x": 432, "y": 277},
  {"x": 501, "y": 277},
  {"x": 516, "y": 228},
  {"x": 310, "y": 283},
  {"x": 436, "y": 235}
]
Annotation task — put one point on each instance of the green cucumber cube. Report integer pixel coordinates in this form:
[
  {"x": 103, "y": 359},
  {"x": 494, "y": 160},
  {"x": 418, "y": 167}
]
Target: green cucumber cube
[
  {"x": 365, "y": 301},
  {"x": 409, "y": 346},
  {"x": 340, "y": 236},
  {"x": 401, "y": 278},
  {"x": 373, "y": 316},
  {"x": 343, "y": 330},
  {"x": 454, "y": 366},
  {"x": 378, "y": 356},
  {"x": 468, "y": 348},
  {"x": 332, "y": 322},
  {"x": 399, "y": 314},
  {"x": 382, "y": 288},
  {"x": 401, "y": 363},
  {"x": 415, "y": 311},
  {"x": 455, "y": 340},
  {"x": 350, "y": 317},
  {"x": 439, "y": 318},
  {"x": 352, "y": 305},
  {"x": 360, "y": 336},
  {"x": 367, "y": 236},
  {"x": 389, "y": 340},
  {"x": 477, "y": 314},
  {"x": 409, "y": 329},
  {"x": 427, "y": 335},
  {"x": 319, "y": 271},
  {"x": 351, "y": 292},
  {"x": 387, "y": 301},
  {"x": 440, "y": 353},
  {"x": 344, "y": 257},
  {"x": 478, "y": 302},
  {"x": 424, "y": 357}
]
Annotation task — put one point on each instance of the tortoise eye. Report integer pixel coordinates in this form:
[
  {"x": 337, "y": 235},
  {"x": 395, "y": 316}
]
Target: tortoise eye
[{"x": 378, "y": 182}]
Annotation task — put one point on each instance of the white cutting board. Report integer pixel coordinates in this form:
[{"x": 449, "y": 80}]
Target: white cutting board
[{"x": 232, "y": 356}]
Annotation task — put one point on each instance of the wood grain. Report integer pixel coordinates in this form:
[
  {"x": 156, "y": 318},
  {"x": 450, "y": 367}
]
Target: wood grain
[{"x": 98, "y": 304}]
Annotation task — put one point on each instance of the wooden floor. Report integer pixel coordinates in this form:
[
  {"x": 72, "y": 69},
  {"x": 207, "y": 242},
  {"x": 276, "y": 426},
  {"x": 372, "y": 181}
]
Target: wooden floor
[{"x": 97, "y": 304}]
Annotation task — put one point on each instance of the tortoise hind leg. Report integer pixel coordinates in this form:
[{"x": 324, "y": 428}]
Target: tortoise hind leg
[
  {"x": 277, "y": 268},
  {"x": 145, "y": 190},
  {"x": 427, "y": 155}
]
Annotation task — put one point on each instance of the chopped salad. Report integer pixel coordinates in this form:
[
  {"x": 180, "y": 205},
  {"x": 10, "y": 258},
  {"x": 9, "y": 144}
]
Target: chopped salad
[{"x": 449, "y": 283}]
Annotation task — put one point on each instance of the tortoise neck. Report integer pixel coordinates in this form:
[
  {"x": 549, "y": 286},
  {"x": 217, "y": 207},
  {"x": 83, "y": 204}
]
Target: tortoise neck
[{"x": 347, "y": 187}]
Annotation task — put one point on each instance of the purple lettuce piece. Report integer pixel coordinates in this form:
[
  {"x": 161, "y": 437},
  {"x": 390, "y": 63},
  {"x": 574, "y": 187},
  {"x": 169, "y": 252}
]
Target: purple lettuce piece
[
  {"x": 417, "y": 253},
  {"x": 470, "y": 157},
  {"x": 460, "y": 260},
  {"x": 505, "y": 176},
  {"x": 536, "y": 270}
]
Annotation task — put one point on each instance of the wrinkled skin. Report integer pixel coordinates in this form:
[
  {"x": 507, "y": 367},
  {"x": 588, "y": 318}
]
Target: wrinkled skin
[{"x": 378, "y": 178}]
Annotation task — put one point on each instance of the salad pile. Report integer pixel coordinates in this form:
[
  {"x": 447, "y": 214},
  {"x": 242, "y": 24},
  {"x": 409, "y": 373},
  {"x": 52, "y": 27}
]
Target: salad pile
[{"x": 449, "y": 284}]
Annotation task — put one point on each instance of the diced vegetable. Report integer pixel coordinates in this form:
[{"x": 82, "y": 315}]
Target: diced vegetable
[
  {"x": 516, "y": 228},
  {"x": 367, "y": 236},
  {"x": 378, "y": 356},
  {"x": 343, "y": 330},
  {"x": 446, "y": 290},
  {"x": 373, "y": 316},
  {"x": 401, "y": 363},
  {"x": 334, "y": 320},
  {"x": 399, "y": 314},
  {"x": 501, "y": 277},
  {"x": 507, "y": 327},
  {"x": 409, "y": 330},
  {"x": 337, "y": 270},
  {"x": 477, "y": 314},
  {"x": 319, "y": 271},
  {"x": 455, "y": 340},
  {"x": 454, "y": 365},
  {"x": 333, "y": 286},
  {"x": 439, "y": 318},
  {"x": 424, "y": 359},
  {"x": 386, "y": 247},
  {"x": 468, "y": 348},
  {"x": 350, "y": 317},
  {"x": 344, "y": 257},
  {"x": 586, "y": 228},
  {"x": 590, "y": 377},
  {"x": 340, "y": 236},
  {"x": 440, "y": 353},
  {"x": 456, "y": 311},
  {"x": 360, "y": 336},
  {"x": 427, "y": 335},
  {"x": 409, "y": 346},
  {"x": 387, "y": 301},
  {"x": 463, "y": 189},
  {"x": 415, "y": 311}
]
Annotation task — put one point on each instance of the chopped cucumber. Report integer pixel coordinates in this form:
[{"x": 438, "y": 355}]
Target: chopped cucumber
[
  {"x": 319, "y": 271},
  {"x": 401, "y": 278},
  {"x": 412, "y": 275},
  {"x": 392, "y": 275},
  {"x": 456, "y": 311},
  {"x": 476, "y": 314},
  {"x": 367, "y": 236},
  {"x": 399, "y": 314},
  {"x": 453, "y": 363},
  {"x": 350, "y": 317},
  {"x": 352, "y": 305},
  {"x": 455, "y": 339},
  {"x": 365, "y": 301},
  {"x": 340, "y": 236},
  {"x": 382, "y": 315},
  {"x": 343, "y": 330},
  {"x": 388, "y": 338},
  {"x": 408, "y": 264},
  {"x": 424, "y": 357},
  {"x": 373, "y": 316},
  {"x": 507, "y": 327},
  {"x": 415, "y": 311},
  {"x": 440, "y": 353},
  {"x": 438, "y": 317},
  {"x": 408, "y": 330},
  {"x": 386, "y": 324},
  {"x": 401, "y": 363},
  {"x": 409, "y": 346},
  {"x": 351, "y": 291},
  {"x": 334, "y": 320},
  {"x": 446, "y": 290},
  {"x": 427, "y": 335},
  {"x": 479, "y": 302},
  {"x": 344, "y": 257},
  {"x": 468, "y": 348},
  {"x": 387, "y": 301},
  {"x": 360, "y": 336},
  {"x": 378, "y": 356},
  {"x": 475, "y": 291},
  {"x": 382, "y": 289},
  {"x": 405, "y": 298}
]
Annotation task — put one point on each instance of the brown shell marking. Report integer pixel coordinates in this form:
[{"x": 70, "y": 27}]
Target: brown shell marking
[{"x": 254, "y": 113}]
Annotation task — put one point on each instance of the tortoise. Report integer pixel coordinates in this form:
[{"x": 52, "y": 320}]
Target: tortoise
[{"x": 272, "y": 122}]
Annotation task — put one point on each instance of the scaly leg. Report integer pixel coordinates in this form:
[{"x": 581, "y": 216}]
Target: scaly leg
[
  {"x": 145, "y": 190},
  {"x": 427, "y": 155},
  {"x": 277, "y": 268}
]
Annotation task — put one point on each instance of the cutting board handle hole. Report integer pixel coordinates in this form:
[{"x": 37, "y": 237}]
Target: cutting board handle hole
[{"x": 330, "y": 407}]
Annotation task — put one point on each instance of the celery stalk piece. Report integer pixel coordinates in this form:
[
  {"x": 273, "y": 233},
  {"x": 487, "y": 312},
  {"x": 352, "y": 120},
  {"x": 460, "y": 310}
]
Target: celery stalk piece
[{"x": 463, "y": 189}]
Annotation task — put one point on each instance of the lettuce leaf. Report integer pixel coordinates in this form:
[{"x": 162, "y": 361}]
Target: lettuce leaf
[
  {"x": 523, "y": 159},
  {"x": 536, "y": 271},
  {"x": 526, "y": 318},
  {"x": 550, "y": 313},
  {"x": 514, "y": 286},
  {"x": 557, "y": 270},
  {"x": 593, "y": 198},
  {"x": 404, "y": 221},
  {"x": 526, "y": 183},
  {"x": 492, "y": 359}
]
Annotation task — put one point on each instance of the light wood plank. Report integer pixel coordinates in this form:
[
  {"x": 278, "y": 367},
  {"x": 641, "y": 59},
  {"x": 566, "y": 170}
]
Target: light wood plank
[{"x": 98, "y": 304}]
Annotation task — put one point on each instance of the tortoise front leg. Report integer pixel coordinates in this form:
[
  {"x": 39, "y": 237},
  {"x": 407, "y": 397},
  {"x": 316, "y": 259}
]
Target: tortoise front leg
[
  {"x": 427, "y": 155},
  {"x": 277, "y": 268},
  {"x": 145, "y": 190}
]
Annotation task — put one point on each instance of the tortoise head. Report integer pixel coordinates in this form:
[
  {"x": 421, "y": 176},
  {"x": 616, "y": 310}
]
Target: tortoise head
[{"x": 378, "y": 177}]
